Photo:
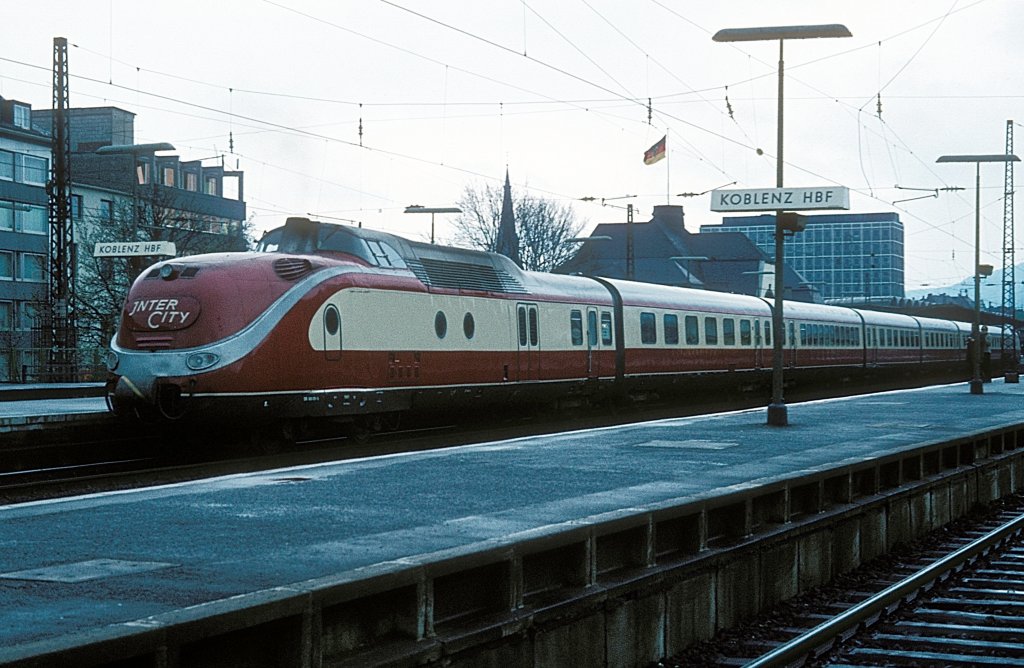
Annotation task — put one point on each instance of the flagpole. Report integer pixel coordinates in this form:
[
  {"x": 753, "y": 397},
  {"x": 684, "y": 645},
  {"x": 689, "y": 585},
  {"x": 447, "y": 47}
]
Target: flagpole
[{"x": 668, "y": 171}]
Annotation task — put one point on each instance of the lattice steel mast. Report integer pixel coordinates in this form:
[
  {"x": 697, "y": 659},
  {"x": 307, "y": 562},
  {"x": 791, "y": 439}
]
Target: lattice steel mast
[
  {"x": 1009, "y": 306},
  {"x": 61, "y": 357}
]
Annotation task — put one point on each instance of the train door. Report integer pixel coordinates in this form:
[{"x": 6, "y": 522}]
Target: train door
[
  {"x": 528, "y": 340},
  {"x": 593, "y": 345},
  {"x": 789, "y": 354},
  {"x": 872, "y": 336},
  {"x": 332, "y": 333},
  {"x": 758, "y": 345}
]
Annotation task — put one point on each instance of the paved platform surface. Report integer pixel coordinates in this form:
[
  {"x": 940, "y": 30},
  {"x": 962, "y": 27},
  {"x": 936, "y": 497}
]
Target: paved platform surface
[
  {"x": 80, "y": 564},
  {"x": 30, "y": 413}
]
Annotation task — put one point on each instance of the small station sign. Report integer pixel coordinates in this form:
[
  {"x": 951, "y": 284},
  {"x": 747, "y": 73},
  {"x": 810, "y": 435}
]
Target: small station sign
[
  {"x": 778, "y": 199},
  {"x": 134, "y": 248}
]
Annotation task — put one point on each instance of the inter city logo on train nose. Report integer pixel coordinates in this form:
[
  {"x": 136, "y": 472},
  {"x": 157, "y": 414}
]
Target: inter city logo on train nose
[{"x": 157, "y": 314}]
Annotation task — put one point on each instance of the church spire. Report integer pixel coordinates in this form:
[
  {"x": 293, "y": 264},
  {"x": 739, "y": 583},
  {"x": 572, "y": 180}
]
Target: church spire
[{"x": 508, "y": 241}]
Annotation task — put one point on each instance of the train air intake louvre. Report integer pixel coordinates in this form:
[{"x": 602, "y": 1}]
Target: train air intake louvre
[
  {"x": 292, "y": 268},
  {"x": 154, "y": 342},
  {"x": 464, "y": 276}
]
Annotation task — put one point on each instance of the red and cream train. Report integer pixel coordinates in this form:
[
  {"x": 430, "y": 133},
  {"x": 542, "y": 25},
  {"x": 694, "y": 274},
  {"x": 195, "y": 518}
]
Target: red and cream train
[{"x": 329, "y": 321}]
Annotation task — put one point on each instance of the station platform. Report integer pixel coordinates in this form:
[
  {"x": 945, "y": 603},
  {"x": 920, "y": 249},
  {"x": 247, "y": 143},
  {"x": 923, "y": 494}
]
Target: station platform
[
  {"x": 87, "y": 569},
  {"x": 55, "y": 412}
]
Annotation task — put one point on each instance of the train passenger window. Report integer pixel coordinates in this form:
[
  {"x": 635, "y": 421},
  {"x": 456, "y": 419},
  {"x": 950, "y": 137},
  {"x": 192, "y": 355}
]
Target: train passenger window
[
  {"x": 468, "y": 325},
  {"x": 606, "y": 328},
  {"x": 711, "y": 331},
  {"x": 534, "y": 327},
  {"x": 728, "y": 331},
  {"x": 440, "y": 324},
  {"x": 522, "y": 326},
  {"x": 648, "y": 328},
  {"x": 591, "y": 328},
  {"x": 744, "y": 332},
  {"x": 768, "y": 333},
  {"x": 576, "y": 327},
  {"x": 332, "y": 320},
  {"x": 671, "y": 329},
  {"x": 692, "y": 332},
  {"x": 805, "y": 338}
]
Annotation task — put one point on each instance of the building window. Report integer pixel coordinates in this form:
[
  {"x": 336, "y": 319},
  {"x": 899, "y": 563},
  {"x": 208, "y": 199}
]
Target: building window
[
  {"x": 106, "y": 210},
  {"x": 6, "y": 165},
  {"x": 191, "y": 181},
  {"x": 6, "y": 265},
  {"x": 6, "y": 316},
  {"x": 210, "y": 186},
  {"x": 22, "y": 116},
  {"x": 27, "y": 315},
  {"x": 33, "y": 267},
  {"x": 76, "y": 207},
  {"x": 168, "y": 176},
  {"x": 142, "y": 173},
  {"x": 30, "y": 169},
  {"x": 7, "y": 216},
  {"x": 32, "y": 219}
]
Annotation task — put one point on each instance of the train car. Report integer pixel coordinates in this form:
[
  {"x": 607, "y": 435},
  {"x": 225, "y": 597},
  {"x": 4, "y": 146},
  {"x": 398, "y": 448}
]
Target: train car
[{"x": 330, "y": 321}]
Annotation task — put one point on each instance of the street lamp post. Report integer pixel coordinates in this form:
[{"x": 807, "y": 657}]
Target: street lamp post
[
  {"x": 976, "y": 384},
  {"x": 416, "y": 208},
  {"x": 777, "y": 414}
]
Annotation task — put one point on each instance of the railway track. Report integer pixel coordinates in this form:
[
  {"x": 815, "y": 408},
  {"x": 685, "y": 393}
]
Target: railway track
[{"x": 954, "y": 599}]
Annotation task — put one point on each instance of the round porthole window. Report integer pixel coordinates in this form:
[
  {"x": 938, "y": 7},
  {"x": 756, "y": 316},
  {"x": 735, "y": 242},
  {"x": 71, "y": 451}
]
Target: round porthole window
[
  {"x": 468, "y": 325},
  {"x": 331, "y": 320},
  {"x": 440, "y": 324}
]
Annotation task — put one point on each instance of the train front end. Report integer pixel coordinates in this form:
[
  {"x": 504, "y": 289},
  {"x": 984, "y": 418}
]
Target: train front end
[{"x": 206, "y": 333}]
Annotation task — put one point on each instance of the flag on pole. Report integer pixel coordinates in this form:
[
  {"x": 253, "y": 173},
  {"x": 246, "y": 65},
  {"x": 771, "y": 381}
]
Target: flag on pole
[{"x": 656, "y": 152}]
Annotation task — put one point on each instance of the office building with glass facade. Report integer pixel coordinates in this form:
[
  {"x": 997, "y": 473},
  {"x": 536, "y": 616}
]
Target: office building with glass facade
[{"x": 855, "y": 255}]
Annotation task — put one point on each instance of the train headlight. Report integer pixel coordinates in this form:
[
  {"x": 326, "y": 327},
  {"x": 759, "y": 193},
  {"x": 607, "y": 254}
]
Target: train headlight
[
  {"x": 200, "y": 361},
  {"x": 168, "y": 272},
  {"x": 111, "y": 360}
]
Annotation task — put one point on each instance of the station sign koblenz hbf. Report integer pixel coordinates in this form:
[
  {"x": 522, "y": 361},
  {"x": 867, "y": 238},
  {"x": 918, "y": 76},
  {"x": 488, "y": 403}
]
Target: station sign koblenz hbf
[
  {"x": 779, "y": 199},
  {"x": 134, "y": 248}
]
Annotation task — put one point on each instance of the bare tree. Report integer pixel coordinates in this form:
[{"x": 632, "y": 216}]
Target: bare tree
[
  {"x": 103, "y": 282},
  {"x": 543, "y": 225}
]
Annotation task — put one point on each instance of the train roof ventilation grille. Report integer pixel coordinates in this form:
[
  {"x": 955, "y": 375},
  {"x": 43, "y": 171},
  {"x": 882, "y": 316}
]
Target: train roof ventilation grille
[
  {"x": 464, "y": 276},
  {"x": 292, "y": 268}
]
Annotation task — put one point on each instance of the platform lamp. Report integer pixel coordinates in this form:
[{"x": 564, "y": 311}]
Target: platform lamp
[
  {"x": 976, "y": 385},
  {"x": 416, "y": 208},
  {"x": 777, "y": 414}
]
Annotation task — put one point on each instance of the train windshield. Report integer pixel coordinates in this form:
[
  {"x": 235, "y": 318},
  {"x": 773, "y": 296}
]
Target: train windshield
[{"x": 307, "y": 238}]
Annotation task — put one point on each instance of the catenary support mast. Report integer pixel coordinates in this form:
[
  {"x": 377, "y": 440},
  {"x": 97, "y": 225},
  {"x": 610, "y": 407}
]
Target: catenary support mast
[{"x": 61, "y": 357}]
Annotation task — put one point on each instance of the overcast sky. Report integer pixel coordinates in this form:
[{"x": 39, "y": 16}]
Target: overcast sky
[{"x": 450, "y": 92}]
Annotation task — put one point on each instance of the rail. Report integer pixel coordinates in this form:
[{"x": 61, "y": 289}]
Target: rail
[{"x": 823, "y": 637}]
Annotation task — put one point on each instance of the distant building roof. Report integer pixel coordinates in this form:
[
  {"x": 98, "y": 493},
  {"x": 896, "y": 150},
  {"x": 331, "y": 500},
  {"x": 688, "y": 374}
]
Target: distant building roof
[{"x": 666, "y": 253}]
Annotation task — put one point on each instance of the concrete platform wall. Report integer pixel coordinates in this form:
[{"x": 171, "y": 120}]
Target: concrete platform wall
[{"x": 621, "y": 592}]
